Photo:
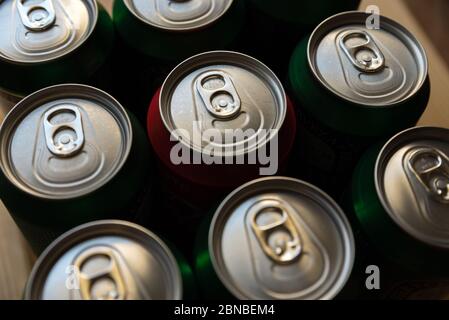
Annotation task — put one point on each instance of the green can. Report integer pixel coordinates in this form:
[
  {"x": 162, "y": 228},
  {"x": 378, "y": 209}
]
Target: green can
[
  {"x": 109, "y": 260},
  {"x": 275, "y": 238},
  {"x": 400, "y": 198},
  {"x": 70, "y": 154},
  {"x": 53, "y": 42},
  {"x": 354, "y": 85}
]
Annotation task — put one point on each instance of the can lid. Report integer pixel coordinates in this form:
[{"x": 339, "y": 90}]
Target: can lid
[
  {"x": 281, "y": 238},
  {"x": 223, "y": 91},
  {"x": 178, "y": 15},
  {"x": 37, "y": 31},
  {"x": 412, "y": 181},
  {"x": 64, "y": 141},
  {"x": 106, "y": 260},
  {"x": 365, "y": 65}
]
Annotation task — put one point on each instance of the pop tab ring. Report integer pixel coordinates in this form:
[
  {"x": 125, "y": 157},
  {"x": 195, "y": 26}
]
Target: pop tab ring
[
  {"x": 112, "y": 273},
  {"x": 366, "y": 57},
  {"x": 67, "y": 138},
  {"x": 279, "y": 239},
  {"x": 431, "y": 168},
  {"x": 218, "y": 94},
  {"x": 36, "y": 17}
]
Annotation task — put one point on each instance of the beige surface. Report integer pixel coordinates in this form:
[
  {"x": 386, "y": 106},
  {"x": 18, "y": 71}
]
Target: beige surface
[
  {"x": 437, "y": 113},
  {"x": 15, "y": 263}
]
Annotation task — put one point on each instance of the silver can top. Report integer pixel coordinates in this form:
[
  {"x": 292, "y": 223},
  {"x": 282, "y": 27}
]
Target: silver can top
[
  {"x": 216, "y": 92},
  {"x": 33, "y": 31},
  {"x": 364, "y": 65},
  {"x": 106, "y": 260},
  {"x": 412, "y": 181},
  {"x": 178, "y": 15},
  {"x": 64, "y": 141},
  {"x": 281, "y": 238}
]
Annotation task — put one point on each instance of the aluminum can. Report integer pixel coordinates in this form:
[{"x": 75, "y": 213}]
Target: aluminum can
[
  {"x": 400, "y": 197},
  {"x": 52, "y": 42},
  {"x": 276, "y": 238},
  {"x": 108, "y": 260},
  {"x": 70, "y": 154},
  {"x": 219, "y": 92},
  {"x": 354, "y": 85}
]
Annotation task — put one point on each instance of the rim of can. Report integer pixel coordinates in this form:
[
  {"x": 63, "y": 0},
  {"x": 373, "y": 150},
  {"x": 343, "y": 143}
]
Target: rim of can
[
  {"x": 172, "y": 29},
  {"x": 341, "y": 96},
  {"x": 210, "y": 58},
  {"x": 87, "y": 231},
  {"x": 94, "y": 6},
  {"x": 20, "y": 110},
  {"x": 240, "y": 194},
  {"x": 387, "y": 150}
]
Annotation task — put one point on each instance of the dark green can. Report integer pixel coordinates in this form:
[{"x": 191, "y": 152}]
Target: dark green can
[
  {"x": 109, "y": 260},
  {"x": 53, "y": 42},
  {"x": 275, "y": 238},
  {"x": 354, "y": 85},
  {"x": 70, "y": 154},
  {"x": 400, "y": 199}
]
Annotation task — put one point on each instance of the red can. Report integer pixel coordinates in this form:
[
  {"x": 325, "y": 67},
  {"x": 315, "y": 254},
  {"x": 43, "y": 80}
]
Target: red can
[{"x": 221, "y": 119}]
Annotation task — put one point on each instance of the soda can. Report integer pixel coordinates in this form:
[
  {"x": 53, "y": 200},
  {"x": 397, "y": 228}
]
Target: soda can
[
  {"x": 108, "y": 260},
  {"x": 157, "y": 35},
  {"x": 400, "y": 199},
  {"x": 51, "y": 42},
  {"x": 281, "y": 24},
  {"x": 224, "y": 111},
  {"x": 276, "y": 238},
  {"x": 354, "y": 84},
  {"x": 71, "y": 154}
]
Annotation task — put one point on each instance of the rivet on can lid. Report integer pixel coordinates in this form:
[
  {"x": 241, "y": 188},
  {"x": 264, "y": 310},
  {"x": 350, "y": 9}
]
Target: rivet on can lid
[
  {"x": 369, "y": 67},
  {"x": 32, "y": 32},
  {"x": 412, "y": 180},
  {"x": 223, "y": 91},
  {"x": 179, "y": 15},
  {"x": 281, "y": 238},
  {"x": 106, "y": 260},
  {"x": 64, "y": 141}
]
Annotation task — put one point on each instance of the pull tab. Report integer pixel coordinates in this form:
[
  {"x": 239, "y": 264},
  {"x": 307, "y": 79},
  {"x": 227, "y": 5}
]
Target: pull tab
[
  {"x": 362, "y": 51},
  {"x": 431, "y": 168},
  {"x": 106, "y": 284},
  {"x": 218, "y": 94},
  {"x": 37, "y": 17},
  {"x": 63, "y": 129},
  {"x": 276, "y": 231}
]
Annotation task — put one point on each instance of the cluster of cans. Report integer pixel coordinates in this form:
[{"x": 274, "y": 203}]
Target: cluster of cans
[{"x": 85, "y": 182}]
